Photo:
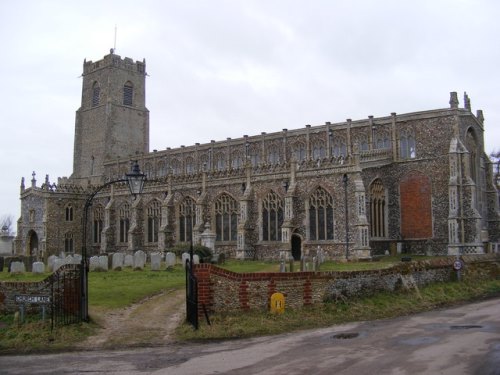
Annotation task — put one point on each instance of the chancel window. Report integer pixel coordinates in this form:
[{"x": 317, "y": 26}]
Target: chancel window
[
  {"x": 124, "y": 222},
  {"x": 128, "y": 93},
  {"x": 187, "y": 219},
  {"x": 377, "y": 209},
  {"x": 98, "y": 215},
  {"x": 154, "y": 218},
  {"x": 320, "y": 215},
  {"x": 226, "y": 218},
  {"x": 272, "y": 217}
]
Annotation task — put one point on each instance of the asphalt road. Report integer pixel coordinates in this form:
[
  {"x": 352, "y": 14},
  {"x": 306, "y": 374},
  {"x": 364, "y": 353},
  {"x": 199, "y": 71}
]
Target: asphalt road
[{"x": 462, "y": 340}]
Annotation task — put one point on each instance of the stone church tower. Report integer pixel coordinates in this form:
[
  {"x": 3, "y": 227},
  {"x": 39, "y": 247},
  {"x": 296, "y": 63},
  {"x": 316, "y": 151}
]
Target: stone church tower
[{"x": 113, "y": 121}]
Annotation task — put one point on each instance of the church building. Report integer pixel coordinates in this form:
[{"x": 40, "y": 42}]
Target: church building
[{"x": 419, "y": 183}]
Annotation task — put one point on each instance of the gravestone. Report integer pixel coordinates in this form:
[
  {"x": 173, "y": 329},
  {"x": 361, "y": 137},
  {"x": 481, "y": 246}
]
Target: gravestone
[
  {"x": 58, "y": 262},
  {"x": 282, "y": 266},
  {"x": 139, "y": 260},
  {"x": 170, "y": 260},
  {"x": 17, "y": 267},
  {"x": 77, "y": 259},
  {"x": 155, "y": 261},
  {"x": 38, "y": 268},
  {"x": 185, "y": 257},
  {"x": 118, "y": 259},
  {"x": 196, "y": 259},
  {"x": 94, "y": 263},
  {"x": 50, "y": 262},
  {"x": 103, "y": 263},
  {"x": 129, "y": 261}
]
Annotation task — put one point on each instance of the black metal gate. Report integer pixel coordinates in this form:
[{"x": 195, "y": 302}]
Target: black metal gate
[
  {"x": 191, "y": 295},
  {"x": 66, "y": 295}
]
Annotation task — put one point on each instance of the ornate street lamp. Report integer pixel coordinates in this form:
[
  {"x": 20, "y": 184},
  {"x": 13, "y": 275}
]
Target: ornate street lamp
[
  {"x": 135, "y": 181},
  {"x": 344, "y": 180}
]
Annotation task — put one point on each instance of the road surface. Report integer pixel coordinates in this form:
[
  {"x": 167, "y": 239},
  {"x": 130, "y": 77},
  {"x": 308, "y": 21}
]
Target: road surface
[{"x": 461, "y": 340}]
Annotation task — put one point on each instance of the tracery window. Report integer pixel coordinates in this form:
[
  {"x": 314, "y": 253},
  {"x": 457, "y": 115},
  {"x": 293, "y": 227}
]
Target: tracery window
[
  {"x": 272, "y": 217},
  {"x": 226, "y": 218},
  {"x": 273, "y": 156},
  {"x": 96, "y": 94},
  {"x": 377, "y": 209},
  {"x": 69, "y": 212},
  {"x": 97, "y": 221},
  {"x": 382, "y": 141},
  {"x": 220, "y": 161},
  {"x": 162, "y": 169},
  {"x": 154, "y": 218},
  {"x": 407, "y": 149},
  {"x": 319, "y": 151},
  {"x": 68, "y": 242},
  {"x": 237, "y": 160},
  {"x": 190, "y": 165},
  {"x": 176, "y": 166},
  {"x": 300, "y": 152},
  {"x": 320, "y": 215},
  {"x": 148, "y": 171},
  {"x": 187, "y": 219},
  {"x": 339, "y": 148},
  {"x": 124, "y": 215},
  {"x": 128, "y": 93},
  {"x": 254, "y": 156}
]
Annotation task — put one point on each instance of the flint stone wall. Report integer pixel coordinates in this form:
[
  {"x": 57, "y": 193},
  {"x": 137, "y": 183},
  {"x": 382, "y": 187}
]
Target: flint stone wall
[{"x": 221, "y": 290}]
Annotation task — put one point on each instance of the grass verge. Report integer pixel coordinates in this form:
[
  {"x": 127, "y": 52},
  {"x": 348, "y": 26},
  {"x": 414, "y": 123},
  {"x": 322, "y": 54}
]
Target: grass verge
[{"x": 383, "y": 305}]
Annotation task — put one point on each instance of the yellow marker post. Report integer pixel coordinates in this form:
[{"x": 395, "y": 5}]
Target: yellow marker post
[{"x": 277, "y": 303}]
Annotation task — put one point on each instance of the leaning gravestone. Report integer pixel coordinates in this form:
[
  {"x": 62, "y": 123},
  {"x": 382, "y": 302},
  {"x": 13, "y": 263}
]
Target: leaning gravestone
[
  {"x": 139, "y": 260},
  {"x": 94, "y": 263},
  {"x": 170, "y": 260},
  {"x": 17, "y": 267},
  {"x": 118, "y": 259},
  {"x": 129, "y": 261},
  {"x": 38, "y": 268},
  {"x": 103, "y": 263},
  {"x": 155, "y": 261},
  {"x": 50, "y": 262}
]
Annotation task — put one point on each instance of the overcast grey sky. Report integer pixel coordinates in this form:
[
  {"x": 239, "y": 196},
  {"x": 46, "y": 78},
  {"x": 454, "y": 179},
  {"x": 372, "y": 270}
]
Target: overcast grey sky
[{"x": 221, "y": 69}]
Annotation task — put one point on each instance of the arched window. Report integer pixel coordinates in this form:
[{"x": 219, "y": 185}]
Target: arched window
[
  {"x": 471, "y": 144},
  {"x": 187, "y": 219},
  {"x": 339, "y": 148},
  {"x": 407, "y": 148},
  {"x": 272, "y": 217},
  {"x": 68, "y": 243},
  {"x": 382, "y": 140},
  {"x": 220, "y": 161},
  {"x": 300, "y": 152},
  {"x": 320, "y": 215},
  {"x": 162, "y": 169},
  {"x": 377, "y": 209},
  {"x": 69, "y": 212},
  {"x": 154, "y": 219},
  {"x": 363, "y": 144},
  {"x": 176, "y": 166},
  {"x": 254, "y": 156},
  {"x": 319, "y": 151},
  {"x": 148, "y": 171},
  {"x": 237, "y": 160},
  {"x": 96, "y": 94},
  {"x": 226, "y": 218},
  {"x": 273, "y": 156},
  {"x": 128, "y": 93},
  {"x": 124, "y": 223},
  {"x": 97, "y": 224}
]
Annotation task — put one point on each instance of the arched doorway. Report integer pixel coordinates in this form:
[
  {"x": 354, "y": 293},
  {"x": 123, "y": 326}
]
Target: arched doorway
[
  {"x": 33, "y": 243},
  {"x": 296, "y": 247}
]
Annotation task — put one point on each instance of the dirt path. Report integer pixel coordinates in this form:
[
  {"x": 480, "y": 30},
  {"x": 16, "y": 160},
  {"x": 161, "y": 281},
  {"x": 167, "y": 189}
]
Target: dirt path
[{"x": 147, "y": 323}]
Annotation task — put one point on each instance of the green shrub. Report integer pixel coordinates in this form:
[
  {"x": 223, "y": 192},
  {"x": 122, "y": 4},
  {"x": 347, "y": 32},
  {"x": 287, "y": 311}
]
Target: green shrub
[{"x": 203, "y": 252}]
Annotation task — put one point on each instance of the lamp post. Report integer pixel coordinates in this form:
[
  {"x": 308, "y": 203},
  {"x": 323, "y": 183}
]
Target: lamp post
[
  {"x": 344, "y": 180},
  {"x": 135, "y": 181}
]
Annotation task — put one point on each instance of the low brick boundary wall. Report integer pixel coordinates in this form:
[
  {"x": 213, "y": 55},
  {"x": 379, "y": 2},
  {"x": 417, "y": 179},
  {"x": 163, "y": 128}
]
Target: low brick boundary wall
[
  {"x": 220, "y": 290},
  {"x": 10, "y": 289}
]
